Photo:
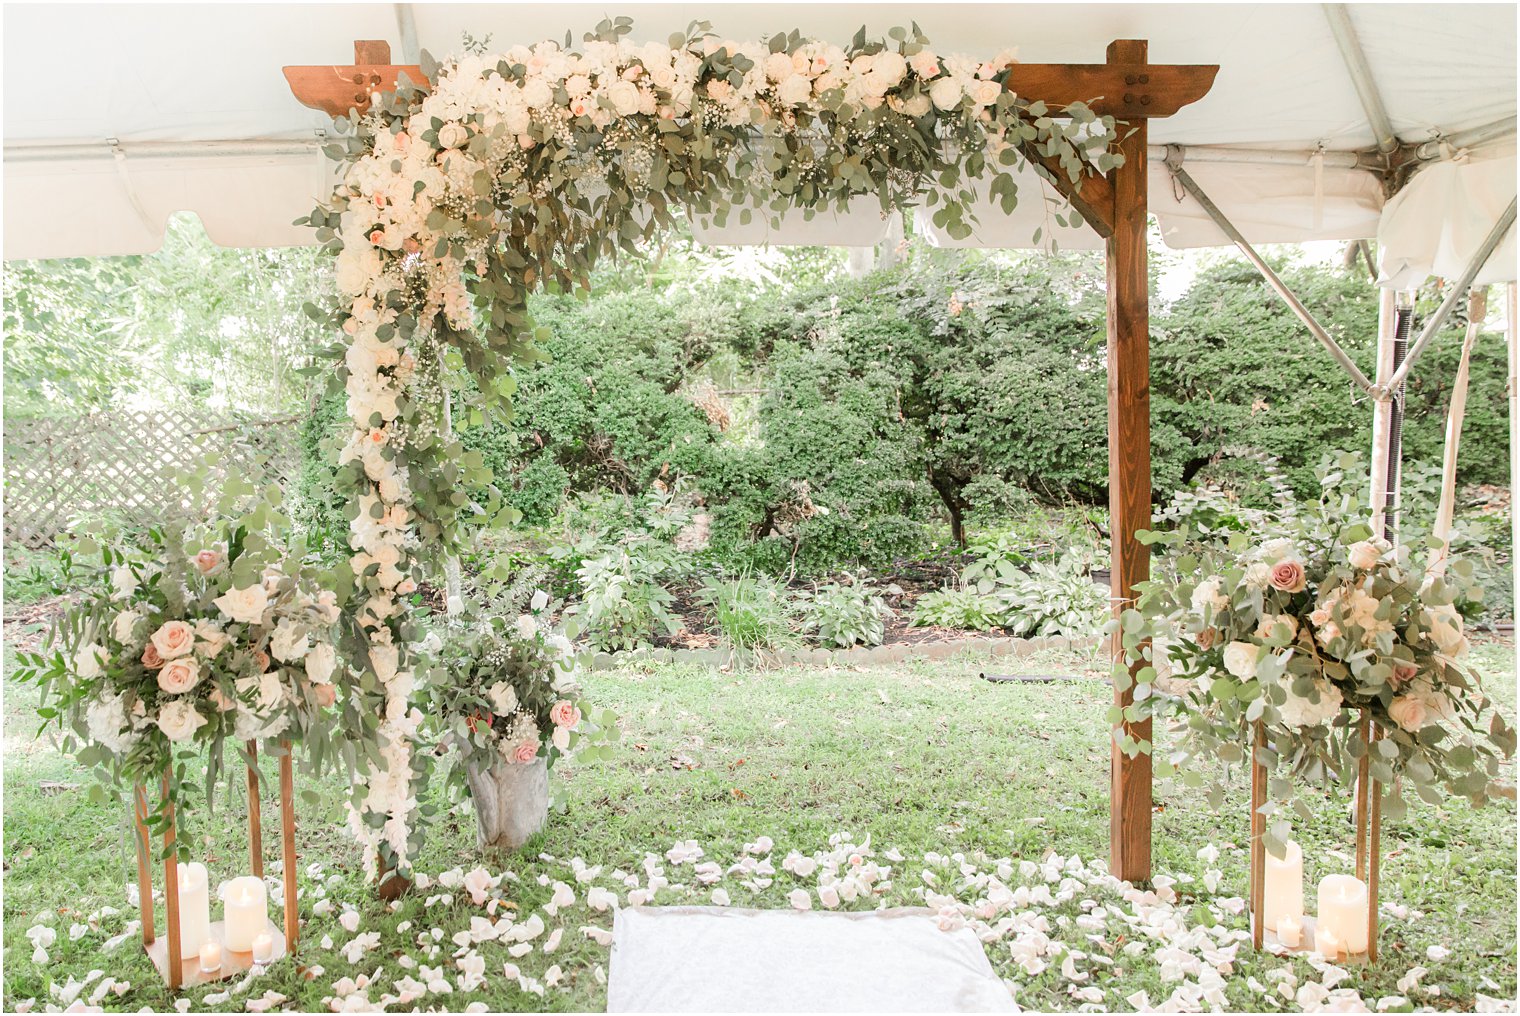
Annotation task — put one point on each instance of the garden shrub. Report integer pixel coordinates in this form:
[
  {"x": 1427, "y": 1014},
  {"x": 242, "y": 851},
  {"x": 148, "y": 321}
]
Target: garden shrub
[{"x": 844, "y": 614}]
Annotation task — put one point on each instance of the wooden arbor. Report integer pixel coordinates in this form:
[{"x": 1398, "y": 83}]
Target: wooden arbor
[{"x": 1133, "y": 91}]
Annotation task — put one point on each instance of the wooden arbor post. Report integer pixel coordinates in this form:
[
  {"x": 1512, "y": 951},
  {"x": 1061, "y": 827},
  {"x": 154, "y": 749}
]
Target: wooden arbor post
[{"x": 1133, "y": 91}]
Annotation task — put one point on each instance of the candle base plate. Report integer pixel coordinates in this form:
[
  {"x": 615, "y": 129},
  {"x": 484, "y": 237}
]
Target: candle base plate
[
  {"x": 1271, "y": 943},
  {"x": 233, "y": 963}
]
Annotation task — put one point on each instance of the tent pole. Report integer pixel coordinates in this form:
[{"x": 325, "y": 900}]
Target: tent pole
[
  {"x": 1477, "y": 310},
  {"x": 1382, "y": 408},
  {"x": 1174, "y": 163},
  {"x": 1361, "y": 76},
  {"x": 1458, "y": 290},
  {"x": 1512, "y": 326},
  {"x": 1129, "y": 473}
]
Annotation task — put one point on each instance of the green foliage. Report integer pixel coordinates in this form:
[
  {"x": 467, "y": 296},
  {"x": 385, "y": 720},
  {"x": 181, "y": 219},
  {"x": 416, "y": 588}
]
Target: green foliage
[
  {"x": 191, "y": 325},
  {"x": 1055, "y": 598},
  {"x": 957, "y": 608},
  {"x": 1232, "y": 366},
  {"x": 623, "y": 596},
  {"x": 541, "y": 489},
  {"x": 840, "y": 615},
  {"x": 754, "y": 613}
]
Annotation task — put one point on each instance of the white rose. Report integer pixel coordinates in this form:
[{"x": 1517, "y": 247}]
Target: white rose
[
  {"x": 123, "y": 582},
  {"x": 105, "y": 717},
  {"x": 87, "y": 661},
  {"x": 1365, "y": 555},
  {"x": 624, "y": 96},
  {"x": 288, "y": 644},
  {"x": 179, "y": 721},
  {"x": 539, "y": 602},
  {"x": 121, "y": 628},
  {"x": 917, "y": 105},
  {"x": 1210, "y": 594},
  {"x": 1240, "y": 659},
  {"x": 527, "y": 627},
  {"x": 503, "y": 698},
  {"x": 209, "y": 637},
  {"x": 1444, "y": 626},
  {"x": 779, "y": 67},
  {"x": 889, "y": 67},
  {"x": 321, "y": 662},
  {"x": 946, "y": 93},
  {"x": 1258, "y": 574},
  {"x": 384, "y": 659},
  {"x": 794, "y": 91},
  {"x": 246, "y": 605},
  {"x": 452, "y": 135},
  {"x": 985, "y": 93}
]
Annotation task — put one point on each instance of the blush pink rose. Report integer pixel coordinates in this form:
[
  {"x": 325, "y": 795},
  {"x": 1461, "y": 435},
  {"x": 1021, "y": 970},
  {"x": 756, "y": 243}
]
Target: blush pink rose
[
  {"x": 207, "y": 560},
  {"x": 150, "y": 657},
  {"x": 526, "y": 751},
  {"x": 1403, "y": 673},
  {"x": 564, "y": 713},
  {"x": 223, "y": 702},
  {"x": 326, "y": 694},
  {"x": 1409, "y": 712},
  {"x": 1287, "y": 576},
  {"x": 178, "y": 676},
  {"x": 173, "y": 638}
]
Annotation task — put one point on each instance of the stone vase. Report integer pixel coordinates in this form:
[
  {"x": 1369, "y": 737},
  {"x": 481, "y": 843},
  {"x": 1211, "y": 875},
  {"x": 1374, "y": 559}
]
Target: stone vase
[{"x": 511, "y": 801}]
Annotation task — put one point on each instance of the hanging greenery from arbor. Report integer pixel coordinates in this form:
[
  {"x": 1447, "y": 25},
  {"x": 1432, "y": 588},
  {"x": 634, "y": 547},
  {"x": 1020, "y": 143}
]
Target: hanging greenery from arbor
[{"x": 509, "y": 172}]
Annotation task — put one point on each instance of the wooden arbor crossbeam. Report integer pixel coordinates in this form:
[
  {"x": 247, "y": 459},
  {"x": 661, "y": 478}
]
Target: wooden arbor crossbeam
[{"x": 1132, "y": 90}]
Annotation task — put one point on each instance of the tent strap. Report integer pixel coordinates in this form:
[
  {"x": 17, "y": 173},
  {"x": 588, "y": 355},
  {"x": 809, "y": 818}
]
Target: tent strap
[
  {"x": 1174, "y": 158},
  {"x": 1460, "y": 287},
  {"x": 1477, "y": 310}
]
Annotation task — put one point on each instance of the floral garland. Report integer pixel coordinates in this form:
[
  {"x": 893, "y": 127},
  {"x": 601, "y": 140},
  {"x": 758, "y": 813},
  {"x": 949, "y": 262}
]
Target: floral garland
[
  {"x": 1300, "y": 625},
  {"x": 513, "y": 171},
  {"x": 190, "y": 638}
]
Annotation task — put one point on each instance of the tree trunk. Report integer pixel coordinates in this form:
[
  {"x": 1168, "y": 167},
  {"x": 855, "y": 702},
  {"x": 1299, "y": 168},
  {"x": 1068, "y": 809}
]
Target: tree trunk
[{"x": 511, "y": 802}]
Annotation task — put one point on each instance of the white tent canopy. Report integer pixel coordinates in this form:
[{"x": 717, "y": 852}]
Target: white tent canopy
[{"x": 125, "y": 114}]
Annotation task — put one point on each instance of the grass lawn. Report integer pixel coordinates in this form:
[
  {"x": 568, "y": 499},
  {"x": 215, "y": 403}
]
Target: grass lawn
[{"x": 922, "y": 758}]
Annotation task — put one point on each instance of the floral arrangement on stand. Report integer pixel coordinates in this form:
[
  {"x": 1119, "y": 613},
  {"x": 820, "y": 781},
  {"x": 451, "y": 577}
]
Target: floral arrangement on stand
[
  {"x": 461, "y": 195},
  {"x": 504, "y": 692},
  {"x": 184, "y": 639},
  {"x": 1300, "y": 624}
]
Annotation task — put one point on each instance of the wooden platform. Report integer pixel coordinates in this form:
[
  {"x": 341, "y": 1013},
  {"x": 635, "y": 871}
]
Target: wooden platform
[{"x": 233, "y": 963}]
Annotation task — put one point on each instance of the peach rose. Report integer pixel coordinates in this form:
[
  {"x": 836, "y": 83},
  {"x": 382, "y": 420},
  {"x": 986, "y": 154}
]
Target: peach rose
[
  {"x": 526, "y": 751},
  {"x": 1206, "y": 638},
  {"x": 326, "y": 694},
  {"x": 179, "y": 676},
  {"x": 223, "y": 702},
  {"x": 207, "y": 560},
  {"x": 173, "y": 638},
  {"x": 1409, "y": 712},
  {"x": 261, "y": 660},
  {"x": 150, "y": 657},
  {"x": 1403, "y": 673},
  {"x": 1287, "y": 576},
  {"x": 564, "y": 713}
]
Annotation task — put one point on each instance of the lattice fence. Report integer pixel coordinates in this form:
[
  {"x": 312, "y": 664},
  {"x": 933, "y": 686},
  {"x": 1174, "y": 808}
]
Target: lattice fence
[{"x": 122, "y": 465}]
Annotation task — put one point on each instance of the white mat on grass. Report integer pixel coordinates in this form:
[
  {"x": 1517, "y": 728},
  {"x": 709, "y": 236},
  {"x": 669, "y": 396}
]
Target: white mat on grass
[{"x": 728, "y": 959}]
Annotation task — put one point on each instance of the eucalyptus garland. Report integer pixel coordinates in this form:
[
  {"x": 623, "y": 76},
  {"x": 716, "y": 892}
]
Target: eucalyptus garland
[{"x": 509, "y": 172}]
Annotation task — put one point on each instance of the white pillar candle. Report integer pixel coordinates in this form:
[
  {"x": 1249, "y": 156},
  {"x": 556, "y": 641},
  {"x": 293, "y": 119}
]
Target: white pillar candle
[
  {"x": 245, "y": 912},
  {"x": 1290, "y": 932},
  {"x": 194, "y": 909},
  {"x": 1283, "y": 895},
  {"x": 211, "y": 958},
  {"x": 263, "y": 947},
  {"x": 1343, "y": 911}
]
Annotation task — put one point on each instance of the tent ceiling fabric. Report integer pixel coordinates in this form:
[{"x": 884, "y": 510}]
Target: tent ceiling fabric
[{"x": 153, "y": 75}]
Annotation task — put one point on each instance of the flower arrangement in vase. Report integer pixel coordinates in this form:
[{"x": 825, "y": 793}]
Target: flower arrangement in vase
[{"x": 505, "y": 692}]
